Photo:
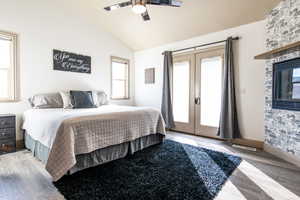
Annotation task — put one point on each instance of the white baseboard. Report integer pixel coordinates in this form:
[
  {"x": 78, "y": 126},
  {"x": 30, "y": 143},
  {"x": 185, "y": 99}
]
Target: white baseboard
[{"x": 283, "y": 155}]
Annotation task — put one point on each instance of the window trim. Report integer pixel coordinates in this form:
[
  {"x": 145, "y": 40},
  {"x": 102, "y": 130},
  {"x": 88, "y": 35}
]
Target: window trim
[
  {"x": 125, "y": 61},
  {"x": 14, "y": 67}
]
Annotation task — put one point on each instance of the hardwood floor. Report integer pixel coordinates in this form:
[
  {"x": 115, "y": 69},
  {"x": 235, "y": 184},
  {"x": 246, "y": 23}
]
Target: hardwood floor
[
  {"x": 260, "y": 176},
  {"x": 22, "y": 177}
]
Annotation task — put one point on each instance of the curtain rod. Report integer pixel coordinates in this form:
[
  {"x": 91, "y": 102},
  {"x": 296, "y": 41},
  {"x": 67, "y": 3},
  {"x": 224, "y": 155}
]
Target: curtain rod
[{"x": 202, "y": 45}]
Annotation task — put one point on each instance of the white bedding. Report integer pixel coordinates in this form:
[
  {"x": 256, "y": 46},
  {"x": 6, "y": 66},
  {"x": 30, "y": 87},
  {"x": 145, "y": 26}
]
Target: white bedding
[{"x": 42, "y": 124}]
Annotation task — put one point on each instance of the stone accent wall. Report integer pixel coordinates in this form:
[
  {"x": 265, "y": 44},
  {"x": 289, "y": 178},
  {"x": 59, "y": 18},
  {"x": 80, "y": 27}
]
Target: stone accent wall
[{"x": 282, "y": 127}]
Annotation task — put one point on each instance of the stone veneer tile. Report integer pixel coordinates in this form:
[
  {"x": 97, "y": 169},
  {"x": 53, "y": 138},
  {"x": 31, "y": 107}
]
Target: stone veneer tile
[{"x": 282, "y": 127}]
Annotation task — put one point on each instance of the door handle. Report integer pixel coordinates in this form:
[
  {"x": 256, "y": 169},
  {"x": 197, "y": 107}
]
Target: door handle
[{"x": 197, "y": 101}]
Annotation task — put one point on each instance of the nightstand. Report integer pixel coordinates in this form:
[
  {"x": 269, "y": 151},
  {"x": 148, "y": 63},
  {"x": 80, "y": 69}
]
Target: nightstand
[{"x": 7, "y": 133}]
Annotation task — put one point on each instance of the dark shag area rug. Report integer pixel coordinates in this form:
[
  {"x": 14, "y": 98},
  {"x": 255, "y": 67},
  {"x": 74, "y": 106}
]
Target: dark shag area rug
[{"x": 170, "y": 170}]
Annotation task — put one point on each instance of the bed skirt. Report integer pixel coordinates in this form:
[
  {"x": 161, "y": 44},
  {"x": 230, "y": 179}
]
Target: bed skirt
[{"x": 99, "y": 156}]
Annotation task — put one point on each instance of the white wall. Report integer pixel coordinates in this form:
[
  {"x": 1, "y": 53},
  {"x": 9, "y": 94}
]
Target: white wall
[
  {"x": 249, "y": 74},
  {"x": 70, "y": 25}
]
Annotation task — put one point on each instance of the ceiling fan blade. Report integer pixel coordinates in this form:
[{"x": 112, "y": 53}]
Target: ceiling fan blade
[
  {"x": 146, "y": 16},
  {"x": 174, "y": 3},
  {"x": 119, "y": 5}
]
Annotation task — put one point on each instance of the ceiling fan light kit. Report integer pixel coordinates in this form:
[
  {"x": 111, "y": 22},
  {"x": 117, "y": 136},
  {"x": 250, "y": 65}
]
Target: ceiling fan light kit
[
  {"x": 139, "y": 6},
  {"x": 139, "y": 9},
  {"x": 114, "y": 7}
]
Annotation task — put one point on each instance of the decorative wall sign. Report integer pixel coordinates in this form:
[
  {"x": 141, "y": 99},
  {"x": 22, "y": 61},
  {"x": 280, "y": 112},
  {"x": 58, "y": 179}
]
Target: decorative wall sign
[
  {"x": 66, "y": 61},
  {"x": 150, "y": 76}
]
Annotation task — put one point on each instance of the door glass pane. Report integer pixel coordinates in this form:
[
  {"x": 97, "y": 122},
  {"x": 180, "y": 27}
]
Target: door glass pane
[
  {"x": 181, "y": 91},
  {"x": 211, "y": 77}
]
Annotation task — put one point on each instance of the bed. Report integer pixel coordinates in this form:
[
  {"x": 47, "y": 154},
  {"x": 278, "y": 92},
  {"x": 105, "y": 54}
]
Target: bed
[{"x": 69, "y": 140}]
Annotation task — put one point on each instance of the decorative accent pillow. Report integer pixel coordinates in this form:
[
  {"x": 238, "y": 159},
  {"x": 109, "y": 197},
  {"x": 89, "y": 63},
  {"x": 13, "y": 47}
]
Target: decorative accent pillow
[
  {"x": 100, "y": 98},
  {"x": 50, "y": 100},
  {"x": 66, "y": 98},
  {"x": 82, "y": 99}
]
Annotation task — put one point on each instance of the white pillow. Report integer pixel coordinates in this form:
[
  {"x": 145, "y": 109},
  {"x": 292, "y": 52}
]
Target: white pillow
[
  {"x": 49, "y": 100},
  {"x": 66, "y": 97},
  {"x": 100, "y": 98}
]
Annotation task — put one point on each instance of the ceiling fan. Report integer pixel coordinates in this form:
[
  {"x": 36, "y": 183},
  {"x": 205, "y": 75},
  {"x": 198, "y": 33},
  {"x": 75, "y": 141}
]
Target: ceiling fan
[{"x": 139, "y": 6}]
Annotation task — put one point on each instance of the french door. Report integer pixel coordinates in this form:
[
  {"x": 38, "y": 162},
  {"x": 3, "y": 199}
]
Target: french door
[
  {"x": 196, "y": 91},
  {"x": 183, "y": 92}
]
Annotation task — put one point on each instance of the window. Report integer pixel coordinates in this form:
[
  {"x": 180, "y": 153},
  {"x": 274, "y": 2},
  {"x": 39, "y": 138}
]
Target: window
[
  {"x": 119, "y": 78},
  {"x": 8, "y": 51},
  {"x": 296, "y": 84}
]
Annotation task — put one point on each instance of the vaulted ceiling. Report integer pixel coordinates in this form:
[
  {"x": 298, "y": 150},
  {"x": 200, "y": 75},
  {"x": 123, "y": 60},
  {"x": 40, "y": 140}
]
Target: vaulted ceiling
[{"x": 194, "y": 18}]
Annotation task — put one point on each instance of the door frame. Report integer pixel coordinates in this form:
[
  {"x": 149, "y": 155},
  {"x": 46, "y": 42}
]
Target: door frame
[
  {"x": 194, "y": 90},
  {"x": 207, "y": 131},
  {"x": 190, "y": 126}
]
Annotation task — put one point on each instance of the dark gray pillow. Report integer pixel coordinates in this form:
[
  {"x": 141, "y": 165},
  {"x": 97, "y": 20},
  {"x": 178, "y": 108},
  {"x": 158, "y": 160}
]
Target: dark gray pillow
[{"x": 82, "y": 99}]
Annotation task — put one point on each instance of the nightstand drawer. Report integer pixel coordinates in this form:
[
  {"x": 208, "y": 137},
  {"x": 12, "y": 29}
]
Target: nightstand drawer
[
  {"x": 8, "y": 146},
  {"x": 7, "y": 122},
  {"x": 7, "y": 133}
]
